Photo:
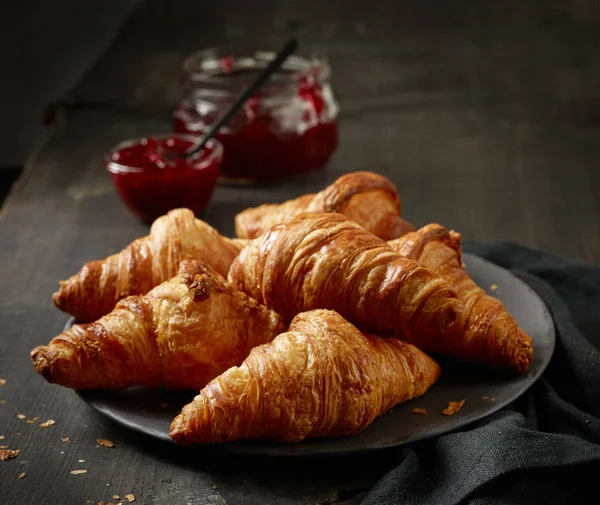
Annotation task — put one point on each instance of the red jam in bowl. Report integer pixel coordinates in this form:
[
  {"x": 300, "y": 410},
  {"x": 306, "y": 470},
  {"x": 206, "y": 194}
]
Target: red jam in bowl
[
  {"x": 153, "y": 176},
  {"x": 288, "y": 128}
]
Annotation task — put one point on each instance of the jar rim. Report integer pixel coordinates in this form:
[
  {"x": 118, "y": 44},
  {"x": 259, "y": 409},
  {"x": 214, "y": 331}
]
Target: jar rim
[
  {"x": 216, "y": 152},
  {"x": 203, "y": 67}
]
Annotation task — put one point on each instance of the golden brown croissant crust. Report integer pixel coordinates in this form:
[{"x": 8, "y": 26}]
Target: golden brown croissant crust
[
  {"x": 327, "y": 261},
  {"x": 492, "y": 336},
  {"x": 365, "y": 197},
  {"x": 180, "y": 335},
  {"x": 321, "y": 378},
  {"x": 143, "y": 264}
]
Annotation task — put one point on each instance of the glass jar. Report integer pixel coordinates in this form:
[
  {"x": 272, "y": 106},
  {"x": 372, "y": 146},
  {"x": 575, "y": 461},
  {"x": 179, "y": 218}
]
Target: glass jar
[
  {"x": 289, "y": 127},
  {"x": 152, "y": 175}
]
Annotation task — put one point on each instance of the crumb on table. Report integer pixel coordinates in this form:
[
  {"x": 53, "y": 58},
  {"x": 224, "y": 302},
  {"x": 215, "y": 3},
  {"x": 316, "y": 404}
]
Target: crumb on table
[
  {"x": 418, "y": 410},
  {"x": 6, "y": 454}
]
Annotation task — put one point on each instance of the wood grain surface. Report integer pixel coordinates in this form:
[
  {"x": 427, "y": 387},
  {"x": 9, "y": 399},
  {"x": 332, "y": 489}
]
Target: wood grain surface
[{"x": 485, "y": 114}]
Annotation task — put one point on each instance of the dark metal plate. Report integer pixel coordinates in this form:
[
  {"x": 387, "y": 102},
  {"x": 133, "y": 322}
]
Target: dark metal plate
[{"x": 140, "y": 408}]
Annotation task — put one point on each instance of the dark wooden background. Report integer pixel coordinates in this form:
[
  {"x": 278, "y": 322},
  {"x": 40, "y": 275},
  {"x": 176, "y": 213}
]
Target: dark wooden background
[{"x": 485, "y": 114}]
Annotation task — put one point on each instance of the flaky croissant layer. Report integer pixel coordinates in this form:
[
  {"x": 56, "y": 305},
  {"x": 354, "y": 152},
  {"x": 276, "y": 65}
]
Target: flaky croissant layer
[
  {"x": 180, "y": 335},
  {"x": 491, "y": 335},
  {"x": 367, "y": 198},
  {"x": 325, "y": 261},
  {"x": 144, "y": 264},
  {"x": 323, "y": 377}
]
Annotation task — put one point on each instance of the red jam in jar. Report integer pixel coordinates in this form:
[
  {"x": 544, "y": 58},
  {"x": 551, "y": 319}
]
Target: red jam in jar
[
  {"x": 288, "y": 128},
  {"x": 152, "y": 174}
]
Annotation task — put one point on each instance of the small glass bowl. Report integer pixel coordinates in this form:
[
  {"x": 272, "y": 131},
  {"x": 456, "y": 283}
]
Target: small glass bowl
[{"x": 152, "y": 179}]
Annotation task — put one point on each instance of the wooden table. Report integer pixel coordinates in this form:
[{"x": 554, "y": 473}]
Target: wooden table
[{"x": 485, "y": 114}]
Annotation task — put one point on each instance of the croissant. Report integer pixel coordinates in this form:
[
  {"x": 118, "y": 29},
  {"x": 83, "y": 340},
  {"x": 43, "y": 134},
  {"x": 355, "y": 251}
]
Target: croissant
[
  {"x": 143, "y": 264},
  {"x": 325, "y": 261},
  {"x": 321, "y": 378},
  {"x": 180, "y": 335},
  {"x": 365, "y": 197},
  {"x": 492, "y": 336}
]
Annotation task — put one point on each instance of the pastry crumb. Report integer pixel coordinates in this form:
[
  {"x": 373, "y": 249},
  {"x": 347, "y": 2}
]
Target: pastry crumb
[
  {"x": 213, "y": 486},
  {"x": 419, "y": 410},
  {"x": 3, "y": 446},
  {"x": 130, "y": 497},
  {"x": 66, "y": 439},
  {"x": 2, "y": 401},
  {"x": 2, "y": 382},
  {"x": 116, "y": 497},
  {"x": 21, "y": 416},
  {"x": 453, "y": 408},
  {"x": 47, "y": 424},
  {"x": 493, "y": 399},
  {"x": 81, "y": 461},
  {"x": 484, "y": 397},
  {"x": 7, "y": 454},
  {"x": 494, "y": 287},
  {"x": 30, "y": 421},
  {"x": 22, "y": 475},
  {"x": 104, "y": 443},
  {"x": 77, "y": 472},
  {"x": 1, "y": 437}
]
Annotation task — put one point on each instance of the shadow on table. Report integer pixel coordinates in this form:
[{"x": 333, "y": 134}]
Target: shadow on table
[{"x": 8, "y": 176}]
